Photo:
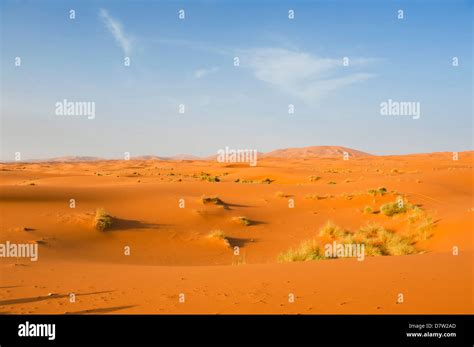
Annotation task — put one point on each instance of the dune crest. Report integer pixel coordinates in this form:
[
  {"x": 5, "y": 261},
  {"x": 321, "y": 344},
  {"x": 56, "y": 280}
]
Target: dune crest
[{"x": 316, "y": 152}]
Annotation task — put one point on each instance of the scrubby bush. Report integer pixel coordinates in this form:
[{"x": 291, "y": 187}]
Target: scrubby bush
[
  {"x": 393, "y": 208},
  {"x": 218, "y": 235},
  {"x": 307, "y": 250},
  {"x": 212, "y": 200},
  {"x": 242, "y": 220},
  {"x": 102, "y": 220}
]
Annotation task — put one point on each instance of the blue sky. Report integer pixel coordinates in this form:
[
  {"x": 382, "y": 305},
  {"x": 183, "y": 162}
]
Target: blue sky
[{"x": 190, "y": 62}]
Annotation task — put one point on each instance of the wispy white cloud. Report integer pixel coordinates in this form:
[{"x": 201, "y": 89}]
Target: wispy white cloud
[
  {"x": 200, "y": 73},
  {"x": 116, "y": 29},
  {"x": 301, "y": 74},
  {"x": 286, "y": 68}
]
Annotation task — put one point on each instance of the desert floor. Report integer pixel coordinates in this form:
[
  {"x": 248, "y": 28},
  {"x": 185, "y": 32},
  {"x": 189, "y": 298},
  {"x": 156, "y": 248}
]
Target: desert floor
[{"x": 170, "y": 253}]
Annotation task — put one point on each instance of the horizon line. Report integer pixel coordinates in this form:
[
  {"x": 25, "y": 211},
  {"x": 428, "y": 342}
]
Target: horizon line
[{"x": 192, "y": 157}]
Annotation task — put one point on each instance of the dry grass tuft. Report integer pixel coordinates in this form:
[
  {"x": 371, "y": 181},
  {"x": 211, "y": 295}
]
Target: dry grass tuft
[
  {"x": 218, "y": 235},
  {"x": 377, "y": 241},
  {"x": 212, "y": 200},
  {"x": 331, "y": 230},
  {"x": 102, "y": 220},
  {"x": 267, "y": 181},
  {"x": 243, "y": 220},
  {"x": 368, "y": 210},
  {"x": 208, "y": 177},
  {"x": 315, "y": 197},
  {"x": 282, "y": 195},
  {"x": 398, "y": 206},
  {"x": 379, "y": 191},
  {"x": 307, "y": 250},
  {"x": 421, "y": 224}
]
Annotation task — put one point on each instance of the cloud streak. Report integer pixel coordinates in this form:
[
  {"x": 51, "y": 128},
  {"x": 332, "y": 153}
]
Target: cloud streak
[
  {"x": 116, "y": 29},
  {"x": 301, "y": 74},
  {"x": 292, "y": 71}
]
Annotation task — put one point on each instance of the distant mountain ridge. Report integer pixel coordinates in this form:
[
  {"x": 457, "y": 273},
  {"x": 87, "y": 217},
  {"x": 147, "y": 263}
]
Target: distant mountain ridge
[
  {"x": 70, "y": 158},
  {"x": 289, "y": 153},
  {"x": 316, "y": 152}
]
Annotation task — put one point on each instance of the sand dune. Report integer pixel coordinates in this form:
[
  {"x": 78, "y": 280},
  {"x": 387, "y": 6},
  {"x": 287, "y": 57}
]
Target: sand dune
[
  {"x": 316, "y": 152},
  {"x": 301, "y": 152},
  {"x": 158, "y": 213}
]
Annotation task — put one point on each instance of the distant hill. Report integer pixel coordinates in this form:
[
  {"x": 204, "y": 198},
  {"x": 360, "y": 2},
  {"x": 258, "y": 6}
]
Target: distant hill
[
  {"x": 174, "y": 157},
  {"x": 67, "y": 159},
  {"x": 148, "y": 157},
  {"x": 185, "y": 157},
  {"x": 315, "y": 152},
  {"x": 289, "y": 153}
]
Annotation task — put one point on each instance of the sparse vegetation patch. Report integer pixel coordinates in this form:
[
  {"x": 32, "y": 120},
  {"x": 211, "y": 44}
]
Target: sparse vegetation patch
[
  {"x": 377, "y": 241},
  {"x": 307, "y": 250},
  {"x": 102, "y": 220},
  {"x": 400, "y": 205},
  {"x": 218, "y": 235},
  {"x": 368, "y": 210},
  {"x": 212, "y": 200},
  {"x": 242, "y": 220}
]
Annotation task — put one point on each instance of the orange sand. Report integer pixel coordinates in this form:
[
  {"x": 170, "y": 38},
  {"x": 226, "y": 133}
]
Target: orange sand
[{"x": 170, "y": 253}]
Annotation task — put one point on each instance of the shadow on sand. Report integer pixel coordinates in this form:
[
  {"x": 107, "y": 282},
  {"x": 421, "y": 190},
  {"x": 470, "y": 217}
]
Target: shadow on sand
[
  {"x": 45, "y": 297},
  {"x": 119, "y": 224}
]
